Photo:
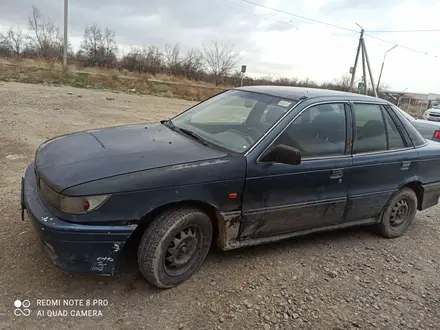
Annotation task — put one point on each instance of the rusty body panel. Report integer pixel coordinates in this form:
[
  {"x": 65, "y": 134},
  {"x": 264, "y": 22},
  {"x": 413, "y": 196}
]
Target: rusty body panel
[
  {"x": 228, "y": 229},
  {"x": 280, "y": 220},
  {"x": 236, "y": 244}
]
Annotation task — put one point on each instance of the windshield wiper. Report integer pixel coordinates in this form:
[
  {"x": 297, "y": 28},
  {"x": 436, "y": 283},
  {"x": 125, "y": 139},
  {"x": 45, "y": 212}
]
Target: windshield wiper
[
  {"x": 194, "y": 135},
  {"x": 169, "y": 123}
]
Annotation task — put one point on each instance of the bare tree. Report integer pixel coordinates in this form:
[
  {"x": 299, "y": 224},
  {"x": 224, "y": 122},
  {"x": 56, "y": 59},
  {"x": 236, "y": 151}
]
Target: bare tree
[
  {"x": 99, "y": 47},
  {"x": 220, "y": 58},
  {"x": 109, "y": 46},
  {"x": 344, "y": 82},
  {"x": 14, "y": 40},
  {"x": 91, "y": 44},
  {"x": 153, "y": 59},
  {"x": 132, "y": 61},
  {"x": 144, "y": 60},
  {"x": 4, "y": 51},
  {"x": 172, "y": 57},
  {"x": 45, "y": 36},
  {"x": 192, "y": 64}
]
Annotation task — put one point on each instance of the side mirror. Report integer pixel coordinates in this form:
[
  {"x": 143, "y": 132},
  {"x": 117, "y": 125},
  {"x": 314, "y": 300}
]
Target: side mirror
[{"x": 283, "y": 154}]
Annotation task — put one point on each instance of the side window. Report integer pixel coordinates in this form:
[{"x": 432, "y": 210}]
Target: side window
[
  {"x": 395, "y": 140},
  {"x": 319, "y": 131},
  {"x": 370, "y": 129},
  {"x": 375, "y": 130}
]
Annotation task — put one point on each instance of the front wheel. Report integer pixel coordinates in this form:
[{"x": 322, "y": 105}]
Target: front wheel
[
  {"x": 398, "y": 213},
  {"x": 174, "y": 246}
]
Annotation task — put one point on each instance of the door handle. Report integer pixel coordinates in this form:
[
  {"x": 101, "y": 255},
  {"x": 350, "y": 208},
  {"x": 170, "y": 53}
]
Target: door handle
[
  {"x": 405, "y": 165},
  {"x": 337, "y": 173}
]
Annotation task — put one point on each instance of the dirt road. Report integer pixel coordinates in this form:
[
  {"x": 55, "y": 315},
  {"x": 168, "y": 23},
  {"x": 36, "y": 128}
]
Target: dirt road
[{"x": 343, "y": 280}]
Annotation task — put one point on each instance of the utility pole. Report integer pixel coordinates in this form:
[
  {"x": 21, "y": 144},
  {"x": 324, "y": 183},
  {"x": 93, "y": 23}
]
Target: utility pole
[
  {"x": 356, "y": 61},
  {"x": 364, "y": 48},
  {"x": 365, "y": 63},
  {"x": 66, "y": 5},
  {"x": 383, "y": 63},
  {"x": 364, "y": 77}
]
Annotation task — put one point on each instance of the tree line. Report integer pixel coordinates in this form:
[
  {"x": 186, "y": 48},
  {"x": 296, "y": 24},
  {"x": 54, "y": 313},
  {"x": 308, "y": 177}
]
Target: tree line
[
  {"x": 43, "y": 39},
  {"x": 213, "y": 62}
]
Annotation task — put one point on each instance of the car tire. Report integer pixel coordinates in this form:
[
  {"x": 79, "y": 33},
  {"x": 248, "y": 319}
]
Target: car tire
[
  {"x": 398, "y": 213},
  {"x": 174, "y": 246}
]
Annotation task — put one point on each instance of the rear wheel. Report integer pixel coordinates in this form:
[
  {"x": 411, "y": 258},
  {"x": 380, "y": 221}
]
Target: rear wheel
[
  {"x": 398, "y": 213},
  {"x": 174, "y": 246}
]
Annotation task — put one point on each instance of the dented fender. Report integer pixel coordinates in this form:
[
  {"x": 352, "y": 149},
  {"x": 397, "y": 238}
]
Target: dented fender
[{"x": 71, "y": 246}]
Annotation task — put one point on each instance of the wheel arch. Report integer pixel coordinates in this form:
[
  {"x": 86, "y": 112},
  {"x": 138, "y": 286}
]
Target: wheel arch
[
  {"x": 212, "y": 211},
  {"x": 415, "y": 185}
]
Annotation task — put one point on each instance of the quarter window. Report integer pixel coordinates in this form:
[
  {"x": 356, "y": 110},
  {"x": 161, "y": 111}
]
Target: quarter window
[
  {"x": 319, "y": 131},
  {"x": 414, "y": 135},
  {"x": 375, "y": 130},
  {"x": 395, "y": 140}
]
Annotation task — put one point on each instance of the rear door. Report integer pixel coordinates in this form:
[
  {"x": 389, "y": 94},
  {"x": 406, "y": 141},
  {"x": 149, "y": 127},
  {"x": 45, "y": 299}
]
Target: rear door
[{"x": 383, "y": 158}]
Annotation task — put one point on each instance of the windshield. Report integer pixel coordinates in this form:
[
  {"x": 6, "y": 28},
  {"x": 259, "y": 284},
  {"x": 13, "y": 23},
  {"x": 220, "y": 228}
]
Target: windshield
[{"x": 234, "y": 120}]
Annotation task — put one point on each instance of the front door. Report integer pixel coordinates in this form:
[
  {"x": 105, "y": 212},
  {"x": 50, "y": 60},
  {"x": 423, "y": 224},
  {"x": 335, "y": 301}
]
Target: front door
[
  {"x": 280, "y": 198},
  {"x": 382, "y": 160}
]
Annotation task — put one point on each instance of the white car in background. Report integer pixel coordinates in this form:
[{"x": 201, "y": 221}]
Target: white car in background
[{"x": 432, "y": 114}]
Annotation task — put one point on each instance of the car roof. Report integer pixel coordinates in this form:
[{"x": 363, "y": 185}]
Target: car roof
[{"x": 297, "y": 93}]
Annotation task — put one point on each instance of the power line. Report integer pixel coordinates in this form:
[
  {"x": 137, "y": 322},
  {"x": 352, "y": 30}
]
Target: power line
[
  {"x": 401, "y": 46},
  {"x": 401, "y": 31},
  {"x": 246, "y": 9},
  {"x": 299, "y": 16},
  {"x": 270, "y": 17},
  {"x": 336, "y": 26}
]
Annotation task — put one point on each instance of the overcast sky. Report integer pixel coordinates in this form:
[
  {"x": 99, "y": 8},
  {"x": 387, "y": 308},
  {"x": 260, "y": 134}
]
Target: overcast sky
[{"x": 270, "y": 43}]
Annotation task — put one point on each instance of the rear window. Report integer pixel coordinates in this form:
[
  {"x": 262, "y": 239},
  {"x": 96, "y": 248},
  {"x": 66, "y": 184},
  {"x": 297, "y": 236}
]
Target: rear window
[{"x": 416, "y": 138}]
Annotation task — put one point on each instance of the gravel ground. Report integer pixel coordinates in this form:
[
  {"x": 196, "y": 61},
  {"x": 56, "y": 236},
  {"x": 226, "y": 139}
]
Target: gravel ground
[{"x": 342, "y": 280}]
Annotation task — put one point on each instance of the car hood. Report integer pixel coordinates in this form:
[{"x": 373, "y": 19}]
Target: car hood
[
  {"x": 86, "y": 156},
  {"x": 435, "y": 110}
]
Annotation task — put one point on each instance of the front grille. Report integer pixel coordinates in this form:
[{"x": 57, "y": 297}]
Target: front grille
[
  {"x": 48, "y": 195},
  {"x": 435, "y": 114}
]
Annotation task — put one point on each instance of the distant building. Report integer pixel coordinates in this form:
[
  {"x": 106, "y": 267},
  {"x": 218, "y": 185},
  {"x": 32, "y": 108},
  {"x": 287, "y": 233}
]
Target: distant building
[{"x": 434, "y": 99}]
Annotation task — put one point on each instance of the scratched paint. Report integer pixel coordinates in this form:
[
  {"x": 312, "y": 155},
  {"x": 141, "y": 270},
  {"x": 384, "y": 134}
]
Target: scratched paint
[
  {"x": 182, "y": 166},
  {"x": 284, "y": 220},
  {"x": 101, "y": 262},
  {"x": 45, "y": 219},
  {"x": 116, "y": 247}
]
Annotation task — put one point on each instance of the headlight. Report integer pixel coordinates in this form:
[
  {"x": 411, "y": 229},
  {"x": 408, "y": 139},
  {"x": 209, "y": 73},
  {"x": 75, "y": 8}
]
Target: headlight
[
  {"x": 81, "y": 205},
  {"x": 71, "y": 205}
]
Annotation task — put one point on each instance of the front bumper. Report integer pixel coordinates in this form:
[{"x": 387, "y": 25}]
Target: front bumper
[
  {"x": 73, "y": 247},
  {"x": 433, "y": 118}
]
